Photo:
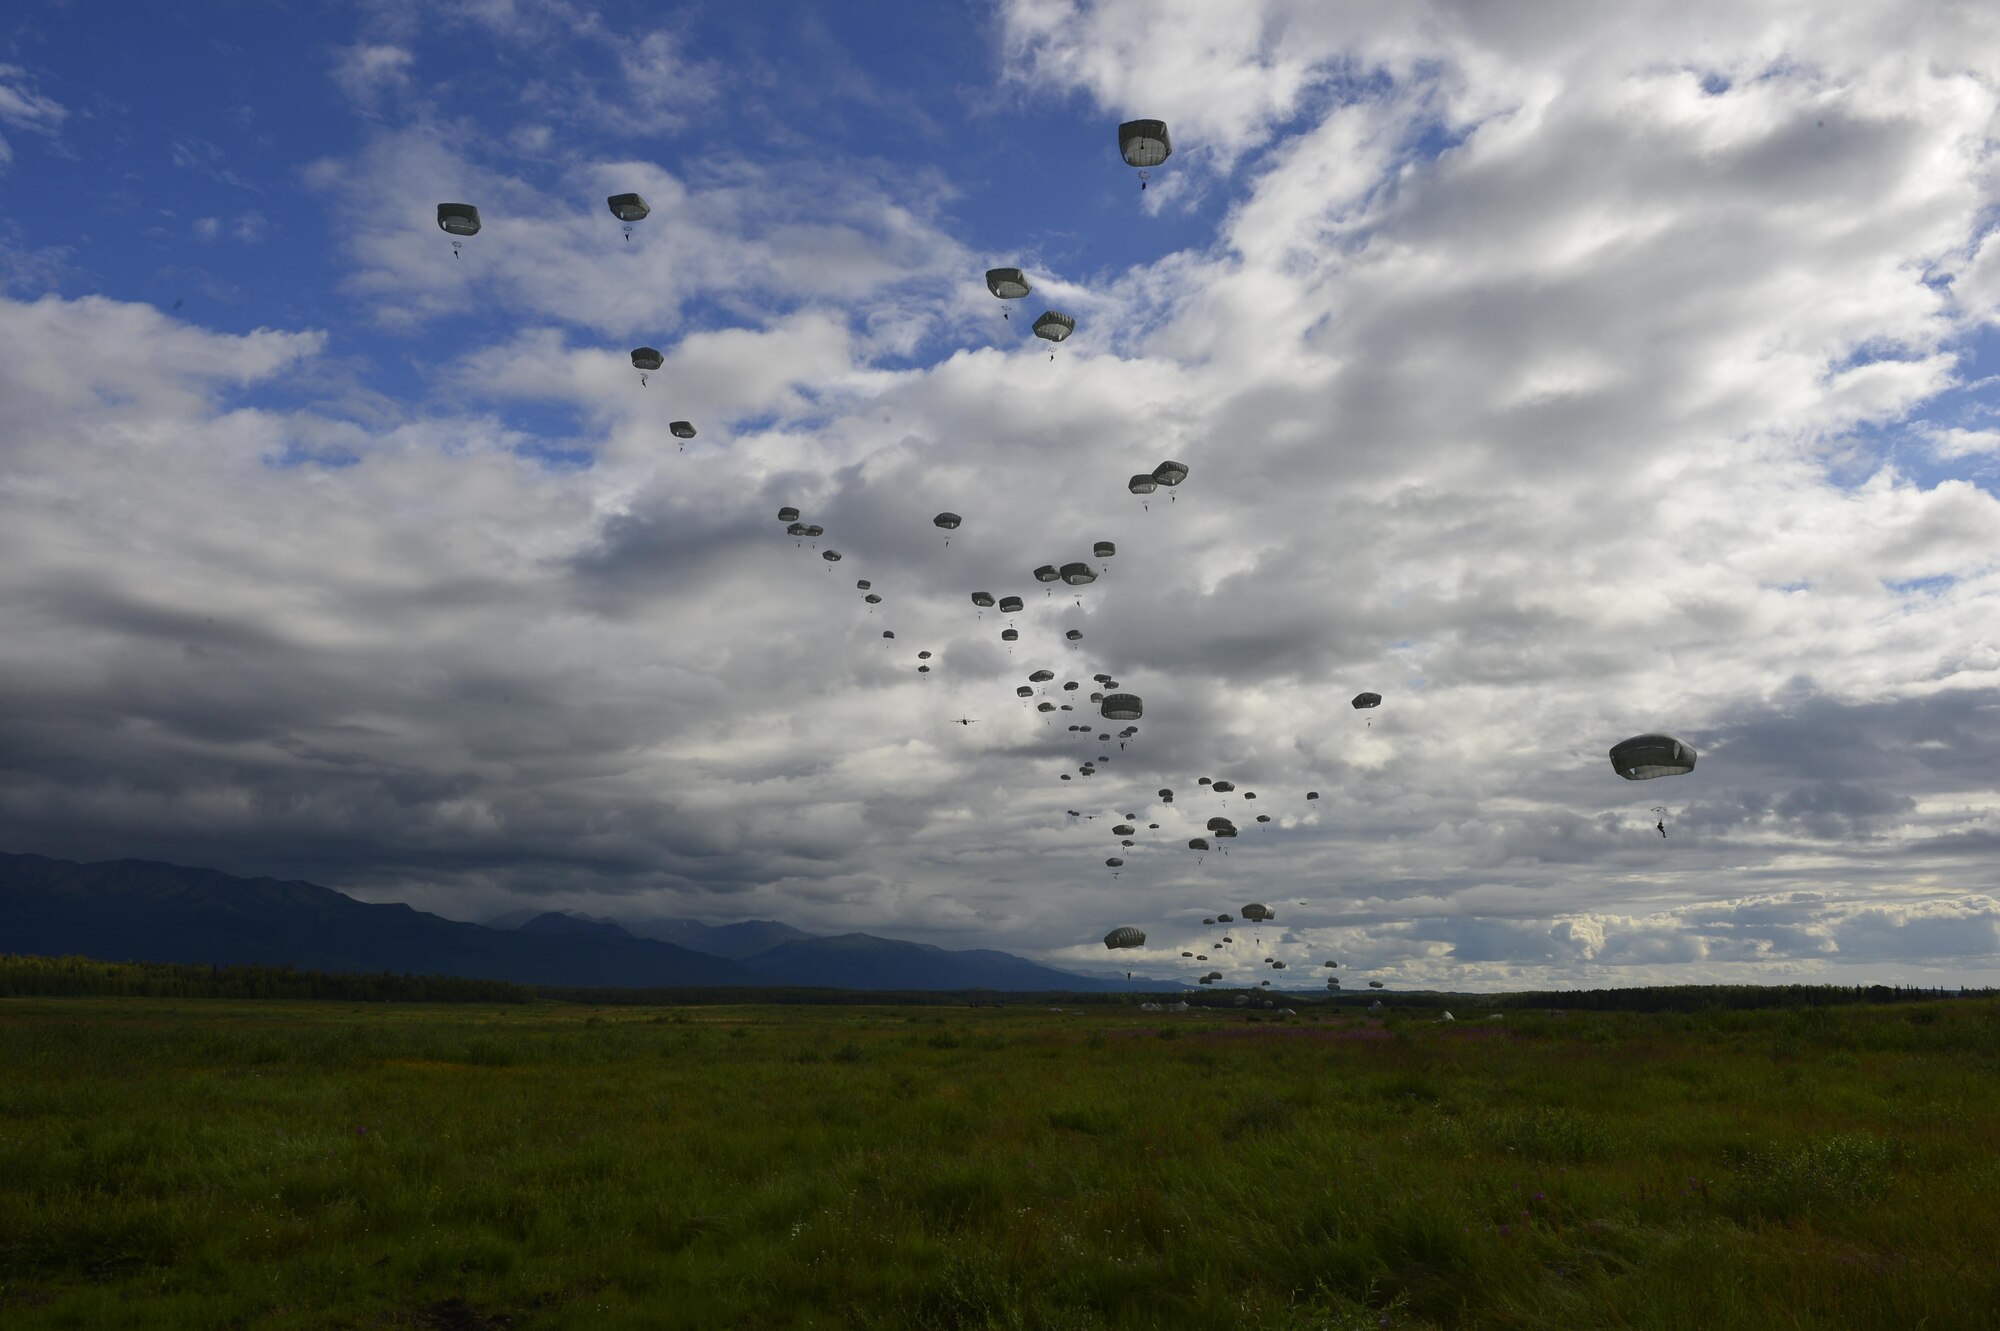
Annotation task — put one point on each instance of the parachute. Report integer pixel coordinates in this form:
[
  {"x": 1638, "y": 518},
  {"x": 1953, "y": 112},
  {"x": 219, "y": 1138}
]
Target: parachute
[
  {"x": 873, "y": 598},
  {"x": 1010, "y": 635},
  {"x": 984, "y": 600},
  {"x": 1047, "y": 573},
  {"x": 863, "y": 584},
  {"x": 1010, "y": 605},
  {"x": 947, "y": 522},
  {"x": 1222, "y": 787},
  {"x": 645, "y": 360},
  {"x": 1074, "y": 635},
  {"x": 458, "y": 220},
  {"x": 1078, "y": 575},
  {"x": 1008, "y": 284},
  {"x": 1045, "y": 707},
  {"x": 1023, "y": 691},
  {"x": 830, "y": 556},
  {"x": 1362, "y": 700},
  {"x": 1374, "y": 984},
  {"x": 681, "y": 429},
  {"x": 1123, "y": 829},
  {"x": 1041, "y": 676},
  {"x": 628, "y": 208},
  {"x": 1122, "y": 707},
  {"x": 788, "y": 515},
  {"x": 1104, "y": 550},
  {"x": 1199, "y": 843},
  {"x": 1054, "y": 327},
  {"x": 1114, "y": 862},
  {"x": 1263, "y": 817},
  {"x": 1125, "y": 936},
  {"x": 1643, "y": 757},
  {"x": 1312, "y": 794},
  {"x": 1170, "y": 474},
  {"x": 1165, "y": 793},
  {"x": 1144, "y": 144},
  {"x": 1257, "y": 911},
  {"x": 887, "y": 633},
  {"x": 923, "y": 656}
]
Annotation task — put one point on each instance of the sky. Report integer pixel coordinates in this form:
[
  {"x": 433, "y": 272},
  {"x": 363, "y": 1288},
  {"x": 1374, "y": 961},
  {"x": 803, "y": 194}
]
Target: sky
[{"x": 1560, "y": 371}]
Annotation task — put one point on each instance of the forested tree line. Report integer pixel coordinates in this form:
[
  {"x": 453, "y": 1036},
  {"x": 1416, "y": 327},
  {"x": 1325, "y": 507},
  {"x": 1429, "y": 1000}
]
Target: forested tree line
[{"x": 65, "y": 977}]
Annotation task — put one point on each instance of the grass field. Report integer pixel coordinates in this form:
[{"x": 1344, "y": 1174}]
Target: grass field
[{"x": 221, "y": 1164}]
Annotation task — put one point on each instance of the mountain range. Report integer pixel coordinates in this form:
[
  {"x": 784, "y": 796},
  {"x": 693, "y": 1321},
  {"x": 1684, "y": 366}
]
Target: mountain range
[{"x": 143, "y": 910}]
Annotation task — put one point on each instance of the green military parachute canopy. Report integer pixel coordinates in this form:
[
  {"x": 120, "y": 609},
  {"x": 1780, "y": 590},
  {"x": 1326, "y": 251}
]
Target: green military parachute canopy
[
  {"x": 1045, "y": 707},
  {"x": 681, "y": 429},
  {"x": 796, "y": 529},
  {"x": 1054, "y": 326},
  {"x": 888, "y": 633},
  {"x": 1078, "y": 575},
  {"x": 814, "y": 529},
  {"x": 1222, "y": 787},
  {"x": 1010, "y": 605},
  {"x": 1104, "y": 549},
  {"x": 1010, "y": 635},
  {"x": 1374, "y": 984},
  {"x": 830, "y": 556},
  {"x": 1362, "y": 700},
  {"x": 1041, "y": 676},
  {"x": 788, "y": 515},
  {"x": 1124, "y": 829},
  {"x": 1330, "y": 965},
  {"x": 1217, "y": 823},
  {"x": 1258, "y": 911},
  {"x": 628, "y": 208},
  {"x": 1074, "y": 635},
  {"x": 1142, "y": 484},
  {"x": 1115, "y": 863},
  {"x": 1170, "y": 474},
  {"x": 1312, "y": 794},
  {"x": 1263, "y": 817},
  {"x": 1643, "y": 757},
  {"x": 646, "y": 358},
  {"x": 1047, "y": 573},
  {"x": 984, "y": 600},
  {"x": 873, "y": 598},
  {"x": 862, "y": 584},
  {"x": 1070, "y": 686},
  {"x": 1144, "y": 143},
  {"x": 1122, "y": 707},
  {"x": 458, "y": 219},
  {"x": 1126, "y": 936},
  {"x": 1023, "y": 691},
  {"x": 948, "y": 521},
  {"x": 1165, "y": 793}
]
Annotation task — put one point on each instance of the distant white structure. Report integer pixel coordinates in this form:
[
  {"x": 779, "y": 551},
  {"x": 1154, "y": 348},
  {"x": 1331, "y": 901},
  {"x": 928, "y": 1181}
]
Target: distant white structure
[{"x": 1447, "y": 1017}]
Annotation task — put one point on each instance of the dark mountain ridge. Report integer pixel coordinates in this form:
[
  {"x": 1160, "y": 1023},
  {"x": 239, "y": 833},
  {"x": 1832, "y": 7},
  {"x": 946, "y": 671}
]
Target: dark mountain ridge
[{"x": 147, "y": 911}]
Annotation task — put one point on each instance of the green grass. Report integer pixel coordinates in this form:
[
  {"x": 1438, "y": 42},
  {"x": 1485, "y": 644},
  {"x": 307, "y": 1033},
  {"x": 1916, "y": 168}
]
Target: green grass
[{"x": 208, "y": 1164}]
